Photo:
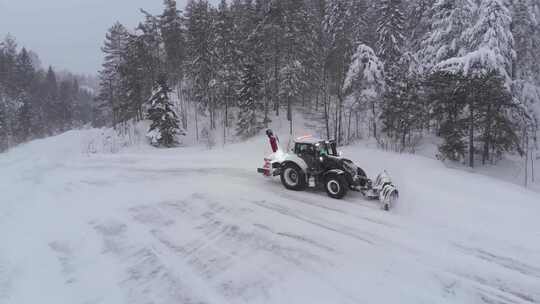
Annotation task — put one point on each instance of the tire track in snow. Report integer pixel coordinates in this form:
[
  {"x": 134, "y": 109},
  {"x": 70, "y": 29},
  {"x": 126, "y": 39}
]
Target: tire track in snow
[
  {"x": 218, "y": 245},
  {"x": 299, "y": 199},
  {"x": 289, "y": 213},
  {"x": 505, "y": 262},
  {"x": 148, "y": 275},
  {"x": 497, "y": 291}
]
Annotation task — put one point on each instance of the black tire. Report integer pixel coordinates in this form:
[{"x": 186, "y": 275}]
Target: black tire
[
  {"x": 293, "y": 178},
  {"x": 336, "y": 186}
]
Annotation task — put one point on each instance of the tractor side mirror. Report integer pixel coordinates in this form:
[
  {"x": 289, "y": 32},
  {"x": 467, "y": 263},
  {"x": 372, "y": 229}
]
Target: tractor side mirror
[{"x": 340, "y": 154}]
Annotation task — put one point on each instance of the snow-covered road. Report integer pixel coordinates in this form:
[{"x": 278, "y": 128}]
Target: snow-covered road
[{"x": 189, "y": 225}]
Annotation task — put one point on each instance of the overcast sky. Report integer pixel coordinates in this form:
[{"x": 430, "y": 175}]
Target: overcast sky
[{"x": 68, "y": 34}]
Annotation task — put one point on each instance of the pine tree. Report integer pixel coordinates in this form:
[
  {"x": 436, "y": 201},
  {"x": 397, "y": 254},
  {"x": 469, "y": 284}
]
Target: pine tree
[
  {"x": 390, "y": 27},
  {"x": 419, "y": 23},
  {"x": 249, "y": 122},
  {"x": 137, "y": 75},
  {"x": 341, "y": 40},
  {"x": 109, "y": 97},
  {"x": 365, "y": 85},
  {"x": 51, "y": 102},
  {"x": 448, "y": 95},
  {"x": 4, "y": 130},
  {"x": 227, "y": 56},
  {"x": 526, "y": 67},
  {"x": 23, "y": 77},
  {"x": 202, "y": 59},
  {"x": 165, "y": 127},
  {"x": 298, "y": 50},
  {"x": 172, "y": 31},
  {"x": 450, "y": 18},
  {"x": 492, "y": 35},
  {"x": 489, "y": 43}
]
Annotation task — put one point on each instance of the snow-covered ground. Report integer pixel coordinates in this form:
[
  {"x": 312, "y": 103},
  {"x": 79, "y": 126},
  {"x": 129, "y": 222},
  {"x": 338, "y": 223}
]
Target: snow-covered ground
[{"x": 191, "y": 225}]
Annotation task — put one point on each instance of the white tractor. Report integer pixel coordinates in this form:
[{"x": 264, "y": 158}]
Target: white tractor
[{"x": 316, "y": 163}]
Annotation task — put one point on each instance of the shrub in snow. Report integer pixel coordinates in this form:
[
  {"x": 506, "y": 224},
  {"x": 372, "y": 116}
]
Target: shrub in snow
[{"x": 165, "y": 124}]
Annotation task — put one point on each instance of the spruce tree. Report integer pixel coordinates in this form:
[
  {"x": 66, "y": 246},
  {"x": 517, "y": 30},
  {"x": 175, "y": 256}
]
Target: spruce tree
[
  {"x": 4, "y": 130},
  {"x": 227, "y": 55},
  {"x": 449, "y": 20},
  {"x": 173, "y": 35},
  {"x": 249, "y": 104},
  {"x": 202, "y": 59},
  {"x": 110, "y": 95},
  {"x": 24, "y": 77},
  {"x": 365, "y": 85},
  {"x": 165, "y": 127},
  {"x": 390, "y": 27}
]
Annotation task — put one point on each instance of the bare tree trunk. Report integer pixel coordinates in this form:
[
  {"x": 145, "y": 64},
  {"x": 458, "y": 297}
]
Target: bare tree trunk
[
  {"x": 276, "y": 77},
  {"x": 374, "y": 119},
  {"x": 357, "y": 133},
  {"x": 349, "y": 129},
  {"x": 471, "y": 135},
  {"x": 487, "y": 137},
  {"x": 326, "y": 110},
  {"x": 197, "y": 122},
  {"x": 526, "y": 158},
  {"x": 225, "y": 126},
  {"x": 289, "y": 115},
  {"x": 532, "y": 165},
  {"x": 336, "y": 122}
]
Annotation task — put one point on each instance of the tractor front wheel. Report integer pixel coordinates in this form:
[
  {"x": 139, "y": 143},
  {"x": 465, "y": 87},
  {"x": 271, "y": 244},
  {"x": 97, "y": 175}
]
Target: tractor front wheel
[{"x": 336, "y": 186}]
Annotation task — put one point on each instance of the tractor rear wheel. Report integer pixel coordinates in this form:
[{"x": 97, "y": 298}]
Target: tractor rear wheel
[{"x": 293, "y": 178}]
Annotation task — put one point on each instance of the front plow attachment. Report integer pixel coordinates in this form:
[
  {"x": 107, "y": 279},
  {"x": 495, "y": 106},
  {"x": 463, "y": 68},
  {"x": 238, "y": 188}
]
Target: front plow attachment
[{"x": 387, "y": 192}]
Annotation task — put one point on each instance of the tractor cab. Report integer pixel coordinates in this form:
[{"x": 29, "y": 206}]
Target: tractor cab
[
  {"x": 310, "y": 146},
  {"x": 318, "y": 154}
]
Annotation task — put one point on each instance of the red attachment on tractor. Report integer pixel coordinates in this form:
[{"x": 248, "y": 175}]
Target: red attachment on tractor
[
  {"x": 274, "y": 141},
  {"x": 267, "y": 167}
]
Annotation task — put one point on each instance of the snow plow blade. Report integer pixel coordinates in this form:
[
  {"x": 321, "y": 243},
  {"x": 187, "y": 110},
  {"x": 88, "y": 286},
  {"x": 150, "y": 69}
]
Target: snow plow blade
[{"x": 388, "y": 192}]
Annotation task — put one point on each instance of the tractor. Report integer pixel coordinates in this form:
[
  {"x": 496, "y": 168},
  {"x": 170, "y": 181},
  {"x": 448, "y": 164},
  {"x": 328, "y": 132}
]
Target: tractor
[{"x": 315, "y": 163}]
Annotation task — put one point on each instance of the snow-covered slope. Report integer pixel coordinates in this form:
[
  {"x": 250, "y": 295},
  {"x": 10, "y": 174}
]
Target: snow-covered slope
[{"x": 189, "y": 225}]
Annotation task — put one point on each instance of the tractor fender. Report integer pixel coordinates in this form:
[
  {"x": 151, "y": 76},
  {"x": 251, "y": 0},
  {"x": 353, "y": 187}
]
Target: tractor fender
[
  {"x": 333, "y": 171},
  {"x": 291, "y": 158}
]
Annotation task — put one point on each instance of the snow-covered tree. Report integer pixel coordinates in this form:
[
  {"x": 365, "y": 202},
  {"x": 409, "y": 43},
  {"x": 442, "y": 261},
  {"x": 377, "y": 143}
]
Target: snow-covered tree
[
  {"x": 419, "y": 23},
  {"x": 249, "y": 104},
  {"x": 227, "y": 58},
  {"x": 165, "y": 128},
  {"x": 489, "y": 43},
  {"x": 365, "y": 84},
  {"x": 341, "y": 29},
  {"x": 201, "y": 56},
  {"x": 171, "y": 25},
  {"x": 110, "y": 96},
  {"x": 450, "y": 18},
  {"x": 390, "y": 27},
  {"x": 4, "y": 128}
]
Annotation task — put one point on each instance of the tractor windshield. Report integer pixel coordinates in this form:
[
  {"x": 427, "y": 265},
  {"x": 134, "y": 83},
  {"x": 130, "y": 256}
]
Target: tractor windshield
[
  {"x": 323, "y": 149},
  {"x": 326, "y": 149}
]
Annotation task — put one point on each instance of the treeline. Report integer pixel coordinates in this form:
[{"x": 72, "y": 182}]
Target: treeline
[
  {"x": 394, "y": 70},
  {"x": 35, "y": 103}
]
